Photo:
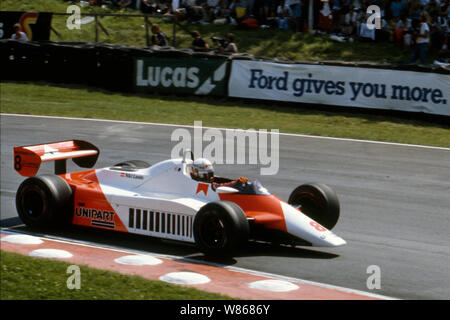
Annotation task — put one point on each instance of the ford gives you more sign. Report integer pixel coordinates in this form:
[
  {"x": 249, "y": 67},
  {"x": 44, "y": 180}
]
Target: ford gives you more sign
[{"x": 342, "y": 86}]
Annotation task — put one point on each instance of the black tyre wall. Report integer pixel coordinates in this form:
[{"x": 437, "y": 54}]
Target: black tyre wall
[
  {"x": 318, "y": 201},
  {"x": 235, "y": 223},
  {"x": 44, "y": 201}
]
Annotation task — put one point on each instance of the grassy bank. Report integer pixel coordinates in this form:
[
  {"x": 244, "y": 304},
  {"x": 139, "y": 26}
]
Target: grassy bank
[
  {"x": 23, "y": 277},
  {"x": 79, "y": 101},
  {"x": 264, "y": 43}
]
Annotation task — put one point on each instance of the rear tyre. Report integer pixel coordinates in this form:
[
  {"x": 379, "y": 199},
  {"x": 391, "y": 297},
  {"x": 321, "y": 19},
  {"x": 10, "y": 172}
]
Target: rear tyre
[
  {"x": 317, "y": 201},
  {"x": 133, "y": 164},
  {"x": 220, "y": 228},
  {"x": 44, "y": 201}
]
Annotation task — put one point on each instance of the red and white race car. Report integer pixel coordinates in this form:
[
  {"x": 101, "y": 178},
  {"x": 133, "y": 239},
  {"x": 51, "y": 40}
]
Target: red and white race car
[{"x": 168, "y": 200}]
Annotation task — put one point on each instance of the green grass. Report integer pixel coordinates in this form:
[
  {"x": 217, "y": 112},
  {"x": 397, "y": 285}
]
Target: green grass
[
  {"x": 86, "y": 102},
  {"x": 262, "y": 43},
  {"x": 26, "y": 278}
]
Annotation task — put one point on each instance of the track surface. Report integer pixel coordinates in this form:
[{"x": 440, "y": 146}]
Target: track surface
[{"x": 395, "y": 204}]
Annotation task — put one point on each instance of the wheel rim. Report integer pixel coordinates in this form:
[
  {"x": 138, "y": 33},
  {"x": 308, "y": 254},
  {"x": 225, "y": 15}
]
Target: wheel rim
[
  {"x": 213, "y": 232},
  {"x": 308, "y": 206},
  {"x": 33, "y": 204}
]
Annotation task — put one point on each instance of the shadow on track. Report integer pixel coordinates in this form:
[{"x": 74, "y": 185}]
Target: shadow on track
[{"x": 186, "y": 252}]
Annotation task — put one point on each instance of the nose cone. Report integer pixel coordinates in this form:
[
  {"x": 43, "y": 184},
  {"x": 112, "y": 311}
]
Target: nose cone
[{"x": 302, "y": 226}]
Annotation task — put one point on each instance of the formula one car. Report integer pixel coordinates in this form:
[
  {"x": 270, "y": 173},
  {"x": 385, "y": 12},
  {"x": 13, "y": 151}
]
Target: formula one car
[{"x": 178, "y": 199}]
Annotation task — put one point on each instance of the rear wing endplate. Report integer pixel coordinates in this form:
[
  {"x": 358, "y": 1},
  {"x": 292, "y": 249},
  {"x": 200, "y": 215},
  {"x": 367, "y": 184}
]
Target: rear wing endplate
[{"x": 28, "y": 159}]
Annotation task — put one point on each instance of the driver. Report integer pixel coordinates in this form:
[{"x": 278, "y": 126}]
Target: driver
[{"x": 203, "y": 170}]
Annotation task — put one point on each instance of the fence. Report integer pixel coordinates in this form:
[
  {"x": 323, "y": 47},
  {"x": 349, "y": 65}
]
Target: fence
[
  {"x": 145, "y": 17},
  {"x": 22, "y": 17}
]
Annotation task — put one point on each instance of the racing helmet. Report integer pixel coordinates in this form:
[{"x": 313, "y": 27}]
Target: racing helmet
[{"x": 202, "y": 170}]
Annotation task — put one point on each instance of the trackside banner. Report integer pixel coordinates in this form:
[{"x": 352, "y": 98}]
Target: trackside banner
[
  {"x": 191, "y": 76},
  {"x": 35, "y": 24},
  {"x": 342, "y": 86}
]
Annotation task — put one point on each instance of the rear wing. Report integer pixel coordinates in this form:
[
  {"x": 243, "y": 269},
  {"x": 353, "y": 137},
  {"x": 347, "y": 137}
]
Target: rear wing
[{"x": 28, "y": 159}]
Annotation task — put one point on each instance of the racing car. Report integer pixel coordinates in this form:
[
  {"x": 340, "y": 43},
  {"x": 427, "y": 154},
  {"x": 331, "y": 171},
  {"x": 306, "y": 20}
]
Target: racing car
[{"x": 178, "y": 199}]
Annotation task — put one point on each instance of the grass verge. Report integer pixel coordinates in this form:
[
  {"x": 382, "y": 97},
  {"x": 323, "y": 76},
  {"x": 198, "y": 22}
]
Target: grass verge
[
  {"x": 85, "y": 102},
  {"x": 26, "y": 278}
]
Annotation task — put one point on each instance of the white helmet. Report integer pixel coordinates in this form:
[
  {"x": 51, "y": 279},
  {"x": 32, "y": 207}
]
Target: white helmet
[{"x": 202, "y": 169}]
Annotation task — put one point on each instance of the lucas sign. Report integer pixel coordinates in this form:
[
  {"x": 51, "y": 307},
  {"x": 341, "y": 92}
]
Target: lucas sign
[
  {"x": 190, "y": 76},
  {"x": 342, "y": 86}
]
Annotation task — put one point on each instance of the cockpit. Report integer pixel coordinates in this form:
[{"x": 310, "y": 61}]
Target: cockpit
[{"x": 202, "y": 170}]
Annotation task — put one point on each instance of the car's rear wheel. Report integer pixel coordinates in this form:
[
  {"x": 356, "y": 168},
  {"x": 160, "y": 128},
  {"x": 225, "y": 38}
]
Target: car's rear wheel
[
  {"x": 44, "y": 200},
  {"x": 133, "y": 164},
  {"x": 317, "y": 201},
  {"x": 220, "y": 228}
]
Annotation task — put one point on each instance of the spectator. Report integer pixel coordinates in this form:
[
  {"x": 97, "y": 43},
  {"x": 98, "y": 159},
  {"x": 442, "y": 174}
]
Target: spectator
[
  {"x": 158, "y": 38},
  {"x": 439, "y": 28},
  {"x": 350, "y": 22},
  {"x": 325, "y": 23},
  {"x": 194, "y": 12},
  {"x": 210, "y": 11},
  {"x": 403, "y": 31},
  {"x": 18, "y": 34},
  {"x": 198, "y": 44},
  {"x": 123, "y": 4},
  {"x": 269, "y": 7},
  {"x": 415, "y": 9},
  {"x": 444, "y": 50},
  {"x": 422, "y": 41},
  {"x": 296, "y": 8},
  {"x": 149, "y": 6},
  {"x": 229, "y": 46},
  {"x": 336, "y": 15},
  {"x": 282, "y": 16},
  {"x": 397, "y": 7},
  {"x": 445, "y": 8}
]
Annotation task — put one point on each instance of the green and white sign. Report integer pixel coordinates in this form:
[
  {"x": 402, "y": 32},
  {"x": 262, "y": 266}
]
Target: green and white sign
[{"x": 192, "y": 76}]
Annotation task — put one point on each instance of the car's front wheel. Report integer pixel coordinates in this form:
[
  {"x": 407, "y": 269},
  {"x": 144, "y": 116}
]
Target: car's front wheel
[
  {"x": 317, "y": 201},
  {"x": 220, "y": 228}
]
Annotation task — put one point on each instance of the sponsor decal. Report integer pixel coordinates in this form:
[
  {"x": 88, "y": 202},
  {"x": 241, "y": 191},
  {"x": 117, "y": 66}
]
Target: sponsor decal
[
  {"x": 98, "y": 217},
  {"x": 342, "y": 86},
  {"x": 193, "y": 76},
  {"x": 131, "y": 176},
  {"x": 202, "y": 187},
  {"x": 36, "y": 25}
]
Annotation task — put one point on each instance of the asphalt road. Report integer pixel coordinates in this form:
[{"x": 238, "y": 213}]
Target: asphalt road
[{"x": 395, "y": 202}]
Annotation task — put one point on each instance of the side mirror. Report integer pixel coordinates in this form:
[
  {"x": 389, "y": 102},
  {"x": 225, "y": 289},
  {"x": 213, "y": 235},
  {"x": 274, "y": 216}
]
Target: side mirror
[{"x": 186, "y": 153}]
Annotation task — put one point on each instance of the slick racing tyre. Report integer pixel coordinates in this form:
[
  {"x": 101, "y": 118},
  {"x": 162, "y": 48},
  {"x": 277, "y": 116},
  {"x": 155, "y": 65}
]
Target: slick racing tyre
[
  {"x": 317, "y": 201},
  {"x": 44, "y": 201},
  {"x": 220, "y": 228}
]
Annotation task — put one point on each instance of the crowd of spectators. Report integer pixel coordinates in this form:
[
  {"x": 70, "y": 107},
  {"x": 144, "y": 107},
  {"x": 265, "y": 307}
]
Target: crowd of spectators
[{"x": 400, "y": 21}]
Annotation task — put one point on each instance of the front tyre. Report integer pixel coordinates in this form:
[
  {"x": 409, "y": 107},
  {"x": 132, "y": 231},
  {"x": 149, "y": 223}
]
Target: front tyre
[
  {"x": 317, "y": 201},
  {"x": 220, "y": 228},
  {"x": 44, "y": 201}
]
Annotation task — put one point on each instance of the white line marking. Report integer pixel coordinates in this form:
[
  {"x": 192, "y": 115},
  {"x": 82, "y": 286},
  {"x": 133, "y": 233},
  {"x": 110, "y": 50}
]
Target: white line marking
[
  {"x": 226, "y": 129},
  {"x": 177, "y": 258}
]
